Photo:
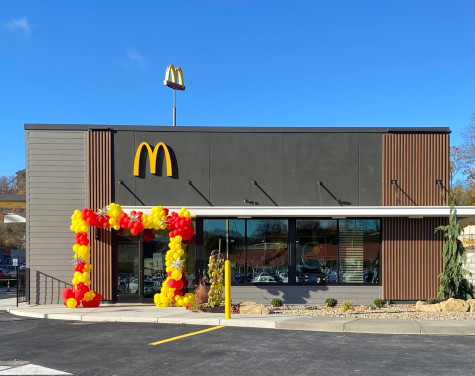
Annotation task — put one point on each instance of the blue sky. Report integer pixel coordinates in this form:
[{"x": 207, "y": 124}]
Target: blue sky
[{"x": 245, "y": 63}]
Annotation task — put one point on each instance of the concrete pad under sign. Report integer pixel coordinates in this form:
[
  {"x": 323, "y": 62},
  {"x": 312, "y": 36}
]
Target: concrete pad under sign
[
  {"x": 383, "y": 326},
  {"x": 57, "y": 312},
  {"x": 252, "y": 321},
  {"x": 117, "y": 318},
  {"x": 129, "y": 313},
  {"x": 448, "y": 327},
  {"x": 192, "y": 319},
  {"x": 318, "y": 324}
]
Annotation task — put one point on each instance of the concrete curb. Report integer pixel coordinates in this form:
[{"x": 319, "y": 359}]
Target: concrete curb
[{"x": 174, "y": 315}]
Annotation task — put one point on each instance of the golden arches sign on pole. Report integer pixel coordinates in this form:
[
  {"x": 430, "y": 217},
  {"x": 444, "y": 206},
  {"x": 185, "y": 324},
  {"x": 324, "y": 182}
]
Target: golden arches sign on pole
[
  {"x": 174, "y": 78},
  {"x": 172, "y": 75}
]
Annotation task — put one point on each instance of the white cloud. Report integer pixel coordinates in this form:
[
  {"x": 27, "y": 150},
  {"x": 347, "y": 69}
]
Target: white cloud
[
  {"x": 20, "y": 24},
  {"x": 134, "y": 56}
]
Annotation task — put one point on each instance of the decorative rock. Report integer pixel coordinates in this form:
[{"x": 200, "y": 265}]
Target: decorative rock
[
  {"x": 454, "y": 305},
  {"x": 252, "y": 308},
  {"x": 471, "y": 303},
  {"x": 424, "y": 307}
]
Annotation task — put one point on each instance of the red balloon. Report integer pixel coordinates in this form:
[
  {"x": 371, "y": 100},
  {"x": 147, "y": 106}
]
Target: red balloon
[
  {"x": 179, "y": 284},
  {"x": 67, "y": 293},
  {"x": 171, "y": 283},
  {"x": 79, "y": 295},
  {"x": 81, "y": 286}
]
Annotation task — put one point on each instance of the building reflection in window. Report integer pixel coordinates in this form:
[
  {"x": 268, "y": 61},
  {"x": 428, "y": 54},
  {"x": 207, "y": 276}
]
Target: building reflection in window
[
  {"x": 359, "y": 243},
  {"x": 317, "y": 251},
  {"x": 267, "y": 251},
  {"x": 214, "y": 230}
]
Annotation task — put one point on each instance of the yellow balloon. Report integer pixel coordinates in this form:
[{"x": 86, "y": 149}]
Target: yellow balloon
[
  {"x": 72, "y": 303},
  {"x": 176, "y": 275}
]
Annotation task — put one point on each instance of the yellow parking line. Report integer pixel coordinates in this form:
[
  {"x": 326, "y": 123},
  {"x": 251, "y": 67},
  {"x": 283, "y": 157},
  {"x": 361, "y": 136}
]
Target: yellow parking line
[{"x": 187, "y": 335}]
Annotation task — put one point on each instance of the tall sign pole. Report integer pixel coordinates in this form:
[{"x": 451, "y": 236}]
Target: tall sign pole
[{"x": 174, "y": 80}]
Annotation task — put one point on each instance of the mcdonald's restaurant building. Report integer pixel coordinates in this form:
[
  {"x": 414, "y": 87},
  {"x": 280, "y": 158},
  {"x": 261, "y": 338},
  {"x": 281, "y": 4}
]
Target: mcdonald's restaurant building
[{"x": 303, "y": 214}]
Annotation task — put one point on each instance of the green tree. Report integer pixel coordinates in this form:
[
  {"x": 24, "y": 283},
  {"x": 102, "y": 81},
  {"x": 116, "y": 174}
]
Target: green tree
[
  {"x": 453, "y": 283},
  {"x": 216, "y": 278},
  {"x": 462, "y": 168}
]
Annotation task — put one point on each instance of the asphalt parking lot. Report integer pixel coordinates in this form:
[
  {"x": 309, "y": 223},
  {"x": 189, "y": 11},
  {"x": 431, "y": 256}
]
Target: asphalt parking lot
[{"x": 87, "y": 348}]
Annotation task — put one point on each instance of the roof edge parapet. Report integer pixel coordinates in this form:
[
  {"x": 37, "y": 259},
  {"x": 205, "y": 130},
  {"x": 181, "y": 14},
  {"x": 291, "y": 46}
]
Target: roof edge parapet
[{"x": 224, "y": 129}]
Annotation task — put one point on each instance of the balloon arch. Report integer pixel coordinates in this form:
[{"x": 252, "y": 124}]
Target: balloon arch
[{"x": 160, "y": 221}]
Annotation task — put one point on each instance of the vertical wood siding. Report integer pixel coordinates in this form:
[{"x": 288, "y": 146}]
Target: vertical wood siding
[
  {"x": 416, "y": 161},
  {"x": 56, "y": 186},
  {"x": 100, "y": 195},
  {"x": 411, "y": 257}
]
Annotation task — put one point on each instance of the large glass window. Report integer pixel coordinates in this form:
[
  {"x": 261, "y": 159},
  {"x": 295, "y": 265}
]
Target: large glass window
[
  {"x": 154, "y": 264},
  {"x": 327, "y": 251},
  {"x": 267, "y": 250},
  {"x": 317, "y": 251},
  {"x": 214, "y": 231},
  {"x": 359, "y": 242}
]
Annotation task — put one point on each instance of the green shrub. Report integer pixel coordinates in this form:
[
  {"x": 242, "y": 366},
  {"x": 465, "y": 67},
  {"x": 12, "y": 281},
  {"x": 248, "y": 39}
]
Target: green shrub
[
  {"x": 276, "y": 302},
  {"x": 330, "y": 302},
  {"x": 379, "y": 303},
  {"x": 311, "y": 308},
  {"x": 345, "y": 306}
]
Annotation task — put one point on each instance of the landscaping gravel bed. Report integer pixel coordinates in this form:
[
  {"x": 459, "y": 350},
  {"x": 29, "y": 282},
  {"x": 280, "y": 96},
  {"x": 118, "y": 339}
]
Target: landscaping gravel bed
[{"x": 400, "y": 312}]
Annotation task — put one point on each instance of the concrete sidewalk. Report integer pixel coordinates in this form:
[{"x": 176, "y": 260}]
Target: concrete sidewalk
[{"x": 139, "y": 313}]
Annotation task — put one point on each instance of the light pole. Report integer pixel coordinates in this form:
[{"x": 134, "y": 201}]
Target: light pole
[{"x": 174, "y": 80}]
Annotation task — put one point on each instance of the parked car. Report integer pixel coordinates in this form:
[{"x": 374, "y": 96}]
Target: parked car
[
  {"x": 133, "y": 286},
  {"x": 264, "y": 279},
  {"x": 311, "y": 276},
  {"x": 9, "y": 271},
  {"x": 149, "y": 289},
  {"x": 122, "y": 287}
]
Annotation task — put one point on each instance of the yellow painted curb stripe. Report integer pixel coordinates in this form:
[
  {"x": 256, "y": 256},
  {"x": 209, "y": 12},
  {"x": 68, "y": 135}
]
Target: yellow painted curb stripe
[{"x": 187, "y": 335}]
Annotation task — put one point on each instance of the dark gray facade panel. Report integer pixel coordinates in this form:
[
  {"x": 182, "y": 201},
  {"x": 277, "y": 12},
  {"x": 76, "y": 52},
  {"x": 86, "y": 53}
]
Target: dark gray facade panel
[
  {"x": 123, "y": 164},
  {"x": 189, "y": 154},
  {"x": 236, "y": 159},
  {"x": 54, "y": 191},
  {"x": 329, "y": 158},
  {"x": 290, "y": 169},
  {"x": 370, "y": 169}
]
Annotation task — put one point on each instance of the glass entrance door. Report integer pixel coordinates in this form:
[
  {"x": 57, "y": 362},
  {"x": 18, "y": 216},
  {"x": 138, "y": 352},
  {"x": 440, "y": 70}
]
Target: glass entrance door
[{"x": 129, "y": 285}]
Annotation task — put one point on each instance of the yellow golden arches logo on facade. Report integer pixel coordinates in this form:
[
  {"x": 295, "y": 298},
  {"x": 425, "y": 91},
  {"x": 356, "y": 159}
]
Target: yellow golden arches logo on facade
[
  {"x": 152, "y": 156},
  {"x": 174, "y": 78}
]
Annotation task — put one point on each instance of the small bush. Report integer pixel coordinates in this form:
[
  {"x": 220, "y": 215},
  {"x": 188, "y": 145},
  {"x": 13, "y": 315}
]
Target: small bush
[
  {"x": 345, "y": 306},
  {"x": 330, "y": 302},
  {"x": 276, "y": 302},
  {"x": 201, "y": 294},
  {"x": 195, "y": 307},
  {"x": 311, "y": 308},
  {"x": 379, "y": 303}
]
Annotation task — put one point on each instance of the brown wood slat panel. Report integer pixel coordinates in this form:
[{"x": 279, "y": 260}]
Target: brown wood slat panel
[
  {"x": 99, "y": 196},
  {"x": 411, "y": 256},
  {"x": 416, "y": 161}
]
